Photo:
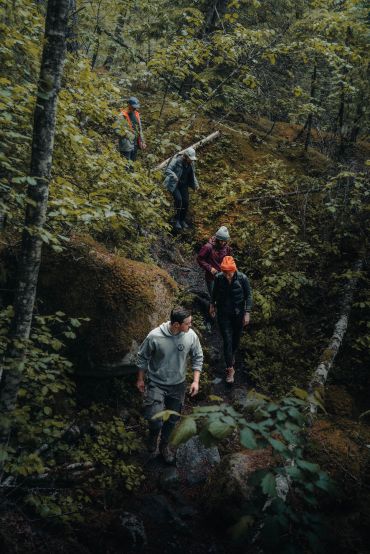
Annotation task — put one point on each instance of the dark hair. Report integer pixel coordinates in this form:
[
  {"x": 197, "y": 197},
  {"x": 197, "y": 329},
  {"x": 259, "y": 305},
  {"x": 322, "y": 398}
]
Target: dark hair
[{"x": 178, "y": 314}]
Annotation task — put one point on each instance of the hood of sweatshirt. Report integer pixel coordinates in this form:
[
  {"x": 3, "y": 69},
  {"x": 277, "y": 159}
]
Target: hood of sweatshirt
[{"x": 165, "y": 328}]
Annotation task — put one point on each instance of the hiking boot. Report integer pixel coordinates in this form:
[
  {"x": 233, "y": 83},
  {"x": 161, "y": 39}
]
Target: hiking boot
[
  {"x": 177, "y": 226},
  {"x": 230, "y": 372},
  {"x": 167, "y": 453},
  {"x": 184, "y": 225},
  {"x": 152, "y": 443}
]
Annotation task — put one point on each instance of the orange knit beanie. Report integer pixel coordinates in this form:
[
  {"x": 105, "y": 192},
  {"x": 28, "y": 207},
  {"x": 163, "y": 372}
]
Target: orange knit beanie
[{"x": 228, "y": 264}]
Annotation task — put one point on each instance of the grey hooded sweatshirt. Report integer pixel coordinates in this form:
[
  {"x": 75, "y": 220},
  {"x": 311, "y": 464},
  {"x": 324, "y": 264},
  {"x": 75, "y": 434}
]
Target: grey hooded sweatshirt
[{"x": 163, "y": 355}]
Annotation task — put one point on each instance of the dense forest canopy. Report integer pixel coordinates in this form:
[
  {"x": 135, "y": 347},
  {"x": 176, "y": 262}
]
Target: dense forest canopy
[{"x": 286, "y": 85}]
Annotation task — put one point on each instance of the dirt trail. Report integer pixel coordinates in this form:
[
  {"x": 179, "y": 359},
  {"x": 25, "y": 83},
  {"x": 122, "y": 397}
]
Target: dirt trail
[{"x": 178, "y": 524}]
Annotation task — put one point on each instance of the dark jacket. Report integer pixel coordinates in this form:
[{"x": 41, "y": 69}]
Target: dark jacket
[
  {"x": 235, "y": 297},
  {"x": 211, "y": 257},
  {"x": 174, "y": 171}
]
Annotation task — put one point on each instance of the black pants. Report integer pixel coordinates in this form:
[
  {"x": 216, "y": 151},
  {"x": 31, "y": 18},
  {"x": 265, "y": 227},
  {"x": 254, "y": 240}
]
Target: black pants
[
  {"x": 181, "y": 198},
  {"x": 159, "y": 398},
  {"x": 231, "y": 328},
  {"x": 131, "y": 155}
]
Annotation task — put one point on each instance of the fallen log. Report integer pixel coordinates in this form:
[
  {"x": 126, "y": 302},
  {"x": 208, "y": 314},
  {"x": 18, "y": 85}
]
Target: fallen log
[
  {"x": 251, "y": 136},
  {"x": 206, "y": 140},
  {"x": 320, "y": 375}
]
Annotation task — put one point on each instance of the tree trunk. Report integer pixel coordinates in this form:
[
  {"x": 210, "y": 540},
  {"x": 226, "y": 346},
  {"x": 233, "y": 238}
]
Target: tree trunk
[
  {"x": 71, "y": 34},
  {"x": 214, "y": 13},
  {"x": 113, "y": 47},
  {"x": 97, "y": 48},
  {"x": 321, "y": 373},
  {"x": 310, "y": 117},
  {"x": 41, "y": 159}
]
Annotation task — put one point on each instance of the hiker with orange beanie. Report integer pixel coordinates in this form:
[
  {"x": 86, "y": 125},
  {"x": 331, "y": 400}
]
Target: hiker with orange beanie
[{"x": 231, "y": 301}]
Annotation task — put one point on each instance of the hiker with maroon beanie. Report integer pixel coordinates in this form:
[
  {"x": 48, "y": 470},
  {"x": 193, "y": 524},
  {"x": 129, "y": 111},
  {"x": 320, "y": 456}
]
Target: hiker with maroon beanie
[
  {"x": 231, "y": 300},
  {"x": 211, "y": 255}
]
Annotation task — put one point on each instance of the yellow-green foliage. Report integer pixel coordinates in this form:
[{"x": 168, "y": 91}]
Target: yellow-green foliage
[
  {"x": 90, "y": 187},
  {"x": 124, "y": 299}
]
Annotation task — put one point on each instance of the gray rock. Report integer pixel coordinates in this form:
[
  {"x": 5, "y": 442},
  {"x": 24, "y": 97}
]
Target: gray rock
[
  {"x": 132, "y": 532},
  {"x": 239, "y": 398},
  {"x": 194, "y": 461}
]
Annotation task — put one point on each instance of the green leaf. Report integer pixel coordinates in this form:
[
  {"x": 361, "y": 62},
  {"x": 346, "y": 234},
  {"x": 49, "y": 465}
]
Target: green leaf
[
  {"x": 279, "y": 446},
  {"x": 247, "y": 438},
  {"x": 214, "y": 398},
  {"x": 219, "y": 430},
  {"x": 165, "y": 414},
  {"x": 299, "y": 393},
  {"x": 268, "y": 484},
  {"x": 294, "y": 472},
  {"x": 75, "y": 322},
  {"x": 207, "y": 409},
  {"x": 184, "y": 431},
  {"x": 312, "y": 468},
  {"x": 206, "y": 438}
]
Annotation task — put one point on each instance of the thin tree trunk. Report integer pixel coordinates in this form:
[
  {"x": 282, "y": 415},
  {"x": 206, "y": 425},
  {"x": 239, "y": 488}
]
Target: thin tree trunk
[
  {"x": 321, "y": 373},
  {"x": 214, "y": 13},
  {"x": 310, "y": 117},
  {"x": 116, "y": 40},
  {"x": 41, "y": 160},
  {"x": 97, "y": 48},
  {"x": 71, "y": 35},
  {"x": 356, "y": 124}
]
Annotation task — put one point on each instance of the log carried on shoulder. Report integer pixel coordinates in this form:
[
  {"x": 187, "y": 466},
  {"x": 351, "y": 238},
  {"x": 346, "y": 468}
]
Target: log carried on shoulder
[{"x": 199, "y": 144}]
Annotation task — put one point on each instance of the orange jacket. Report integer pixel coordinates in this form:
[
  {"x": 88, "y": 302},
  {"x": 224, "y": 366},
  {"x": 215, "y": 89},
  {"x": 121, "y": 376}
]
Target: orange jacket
[{"x": 125, "y": 114}]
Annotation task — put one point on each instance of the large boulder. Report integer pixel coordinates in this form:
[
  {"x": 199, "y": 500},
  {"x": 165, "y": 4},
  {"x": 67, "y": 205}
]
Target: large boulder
[
  {"x": 123, "y": 299},
  {"x": 195, "y": 462},
  {"x": 229, "y": 486}
]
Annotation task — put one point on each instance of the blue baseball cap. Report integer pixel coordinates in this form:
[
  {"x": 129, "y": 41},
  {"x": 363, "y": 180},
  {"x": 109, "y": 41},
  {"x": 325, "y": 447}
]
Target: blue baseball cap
[{"x": 134, "y": 102}]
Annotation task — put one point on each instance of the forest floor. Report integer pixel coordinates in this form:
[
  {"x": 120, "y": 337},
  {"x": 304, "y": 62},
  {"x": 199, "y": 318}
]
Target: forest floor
[{"x": 169, "y": 508}]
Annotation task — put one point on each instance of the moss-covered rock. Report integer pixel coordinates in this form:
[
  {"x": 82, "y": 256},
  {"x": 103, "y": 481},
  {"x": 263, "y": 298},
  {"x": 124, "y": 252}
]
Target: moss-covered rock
[
  {"x": 229, "y": 486},
  {"x": 123, "y": 299}
]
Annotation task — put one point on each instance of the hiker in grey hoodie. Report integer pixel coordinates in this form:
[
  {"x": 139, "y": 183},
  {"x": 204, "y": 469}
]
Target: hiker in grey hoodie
[{"x": 163, "y": 356}]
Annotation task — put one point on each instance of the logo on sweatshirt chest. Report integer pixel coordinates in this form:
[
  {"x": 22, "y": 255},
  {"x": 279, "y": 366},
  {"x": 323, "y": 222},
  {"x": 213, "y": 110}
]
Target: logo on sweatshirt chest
[{"x": 180, "y": 347}]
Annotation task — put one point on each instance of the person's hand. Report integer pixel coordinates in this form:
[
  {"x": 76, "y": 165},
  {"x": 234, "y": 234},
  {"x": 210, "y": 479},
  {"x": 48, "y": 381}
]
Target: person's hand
[
  {"x": 214, "y": 271},
  {"x": 143, "y": 145},
  {"x": 246, "y": 319},
  {"x": 194, "y": 388},
  {"x": 140, "y": 385},
  {"x": 212, "y": 311}
]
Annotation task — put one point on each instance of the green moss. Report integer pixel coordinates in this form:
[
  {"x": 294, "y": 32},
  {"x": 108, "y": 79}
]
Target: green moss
[{"x": 123, "y": 299}]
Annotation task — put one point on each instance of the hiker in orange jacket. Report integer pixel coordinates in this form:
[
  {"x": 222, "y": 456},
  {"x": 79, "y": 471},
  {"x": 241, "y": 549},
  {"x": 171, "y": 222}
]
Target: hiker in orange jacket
[{"x": 129, "y": 129}]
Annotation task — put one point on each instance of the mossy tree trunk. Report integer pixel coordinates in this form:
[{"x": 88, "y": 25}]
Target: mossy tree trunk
[
  {"x": 37, "y": 194},
  {"x": 321, "y": 373}
]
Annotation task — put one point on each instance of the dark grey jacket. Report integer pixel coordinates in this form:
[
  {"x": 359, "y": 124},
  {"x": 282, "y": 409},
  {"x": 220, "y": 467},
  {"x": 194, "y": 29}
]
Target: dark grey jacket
[
  {"x": 239, "y": 292},
  {"x": 174, "y": 171}
]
